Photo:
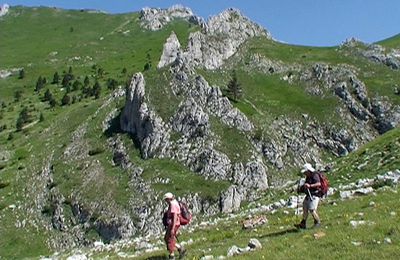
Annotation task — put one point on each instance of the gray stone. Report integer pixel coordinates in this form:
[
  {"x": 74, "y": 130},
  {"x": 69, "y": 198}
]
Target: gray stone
[
  {"x": 254, "y": 244},
  {"x": 171, "y": 50},
  {"x": 155, "y": 18},
  {"x": 138, "y": 119}
]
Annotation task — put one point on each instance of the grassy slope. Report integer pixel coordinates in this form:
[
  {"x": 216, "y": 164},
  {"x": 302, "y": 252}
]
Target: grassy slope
[
  {"x": 281, "y": 241},
  {"x": 28, "y": 41}
]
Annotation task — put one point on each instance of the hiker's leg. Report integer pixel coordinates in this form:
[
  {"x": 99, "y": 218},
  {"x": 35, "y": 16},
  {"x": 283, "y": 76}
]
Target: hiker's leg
[
  {"x": 315, "y": 216},
  {"x": 302, "y": 224},
  {"x": 170, "y": 240},
  {"x": 313, "y": 210},
  {"x": 305, "y": 209}
]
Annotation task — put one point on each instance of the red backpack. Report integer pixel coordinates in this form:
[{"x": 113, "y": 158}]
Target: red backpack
[
  {"x": 323, "y": 190},
  {"x": 186, "y": 216}
]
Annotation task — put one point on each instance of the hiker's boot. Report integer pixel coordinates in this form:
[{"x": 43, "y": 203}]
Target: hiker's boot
[
  {"x": 182, "y": 252},
  {"x": 317, "y": 224},
  {"x": 301, "y": 225},
  {"x": 171, "y": 257}
]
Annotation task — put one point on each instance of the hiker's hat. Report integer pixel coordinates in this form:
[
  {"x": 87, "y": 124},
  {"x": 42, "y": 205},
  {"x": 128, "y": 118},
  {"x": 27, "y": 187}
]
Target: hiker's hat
[
  {"x": 307, "y": 168},
  {"x": 168, "y": 195}
]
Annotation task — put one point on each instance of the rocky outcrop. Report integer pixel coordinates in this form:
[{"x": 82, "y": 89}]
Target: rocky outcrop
[
  {"x": 145, "y": 125},
  {"x": 354, "y": 95},
  {"x": 252, "y": 176},
  {"x": 220, "y": 39},
  {"x": 120, "y": 227},
  {"x": 373, "y": 52},
  {"x": 4, "y": 9},
  {"x": 190, "y": 120},
  {"x": 231, "y": 199},
  {"x": 155, "y": 18},
  {"x": 387, "y": 115},
  {"x": 171, "y": 50}
]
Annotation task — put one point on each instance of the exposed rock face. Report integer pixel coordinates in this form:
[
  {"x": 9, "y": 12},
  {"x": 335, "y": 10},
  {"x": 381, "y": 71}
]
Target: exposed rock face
[
  {"x": 387, "y": 115},
  {"x": 353, "y": 93},
  {"x": 171, "y": 50},
  {"x": 222, "y": 37},
  {"x": 155, "y": 18},
  {"x": 253, "y": 176},
  {"x": 138, "y": 119},
  {"x": 231, "y": 199},
  {"x": 219, "y": 40},
  {"x": 374, "y": 52},
  {"x": 190, "y": 120},
  {"x": 117, "y": 228},
  {"x": 4, "y": 9}
]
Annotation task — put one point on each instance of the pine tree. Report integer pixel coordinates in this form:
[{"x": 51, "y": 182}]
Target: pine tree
[
  {"x": 86, "y": 81},
  {"x": 66, "y": 100},
  {"x": 39, "y": 84},
  {"x": 21, "y": 74},
  {"x": 23, "y": 118},
  {"x": 96, "y": 90},
  {"x": 41, "y": 118},
  {"x": 18, "y": 95},
  {"x": 234, "y": 89},
  {"x": 52, "y": 102},
  {"x": 56, "y": 78},
  {"x": 76, "y": 85},
  {"x": 47, "y": 95}
]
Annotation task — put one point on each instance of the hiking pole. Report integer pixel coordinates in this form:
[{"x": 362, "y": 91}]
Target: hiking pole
[
  {"x": 298, "y": 197},
  {"x": 309, "y": 194}
]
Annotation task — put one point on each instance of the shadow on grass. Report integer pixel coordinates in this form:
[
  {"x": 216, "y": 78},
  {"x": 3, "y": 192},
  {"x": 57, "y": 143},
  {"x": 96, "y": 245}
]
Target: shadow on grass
[{"x": 281, "y": 233}]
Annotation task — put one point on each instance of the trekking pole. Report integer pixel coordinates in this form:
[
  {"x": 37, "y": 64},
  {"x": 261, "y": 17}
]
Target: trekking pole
[
  {"x": 309, "y": 194},
  {"x": 298, "y": 197}
]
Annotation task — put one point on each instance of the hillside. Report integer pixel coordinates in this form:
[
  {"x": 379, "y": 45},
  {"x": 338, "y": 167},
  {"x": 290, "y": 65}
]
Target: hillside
[{"x": 101, "y": 114}]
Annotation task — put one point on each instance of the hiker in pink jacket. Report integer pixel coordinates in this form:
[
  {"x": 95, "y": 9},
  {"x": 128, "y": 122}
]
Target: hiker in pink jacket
[{"x": 173, "y": 223}]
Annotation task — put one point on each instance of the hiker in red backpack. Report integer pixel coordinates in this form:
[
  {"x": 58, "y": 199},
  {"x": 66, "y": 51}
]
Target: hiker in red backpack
[
  {"x": 172, "y": 226},
  {"x": 311, "y": 188}
]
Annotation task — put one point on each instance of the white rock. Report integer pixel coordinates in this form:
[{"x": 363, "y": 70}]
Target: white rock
[
  {"x": 4, "y": 9},
  {"x": 364, "y": 191},
  {"x": 98, "y": 244},
  {"x": 254, "y": 244},
  {"x": 77, "y": 257},
  {"x": 387, "y": 240}
]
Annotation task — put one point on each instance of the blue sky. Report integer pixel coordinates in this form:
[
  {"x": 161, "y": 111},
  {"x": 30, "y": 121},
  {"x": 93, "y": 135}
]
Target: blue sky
[{"x": 304, "y": 22}]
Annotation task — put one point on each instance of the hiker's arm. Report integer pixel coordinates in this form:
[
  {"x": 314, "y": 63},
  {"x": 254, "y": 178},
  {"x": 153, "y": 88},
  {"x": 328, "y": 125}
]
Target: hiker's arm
[
  {"x": 174, "y": 222},
  {"x": 314, "y": 185}
]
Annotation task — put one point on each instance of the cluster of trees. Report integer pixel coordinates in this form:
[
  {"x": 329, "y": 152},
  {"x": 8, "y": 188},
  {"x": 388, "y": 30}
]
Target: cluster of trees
[{"x": 71, "y": 85}]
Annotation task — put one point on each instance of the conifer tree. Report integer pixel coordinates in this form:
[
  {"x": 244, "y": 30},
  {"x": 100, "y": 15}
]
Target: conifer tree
[{"x": 234, "y": 88}]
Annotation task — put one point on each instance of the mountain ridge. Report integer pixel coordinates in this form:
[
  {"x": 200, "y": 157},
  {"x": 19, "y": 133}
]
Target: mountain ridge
[{"x": 92, "y": 168}]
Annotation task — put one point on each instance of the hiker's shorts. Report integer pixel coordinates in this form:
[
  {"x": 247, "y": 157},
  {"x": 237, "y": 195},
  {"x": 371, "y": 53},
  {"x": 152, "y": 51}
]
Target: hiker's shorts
[
  {"x": 309, "y": 204},
  {"x": 170, "y": 240}
]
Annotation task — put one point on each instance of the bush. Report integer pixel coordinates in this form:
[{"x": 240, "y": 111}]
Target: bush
[{"x": 95, "y": 151}]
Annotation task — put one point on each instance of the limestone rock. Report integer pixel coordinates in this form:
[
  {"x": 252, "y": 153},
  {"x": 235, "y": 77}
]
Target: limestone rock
[
  {"x": 230, "y": 200},
  {"x": 253, "y": 176},
  {"x": 116, "y": 228},
  {"x": 171, "y": 50},
  {"x": 4, "y": 9},
  {"x": 156, "y": 18},
  {"x": 191, "y": 120},
  {"x": 254, "y": 244},
  {"x": 139, "y": 120}
]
